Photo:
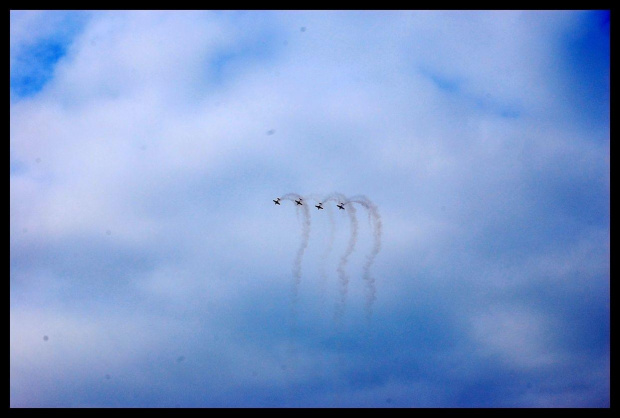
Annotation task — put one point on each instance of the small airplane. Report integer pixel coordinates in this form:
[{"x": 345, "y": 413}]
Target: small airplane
[
  {"x": 319, "y": 206},
  {"x": 277, "y": 201},
  {"x": 340, "y": 206},
  {"x": 299, "y": 201}
]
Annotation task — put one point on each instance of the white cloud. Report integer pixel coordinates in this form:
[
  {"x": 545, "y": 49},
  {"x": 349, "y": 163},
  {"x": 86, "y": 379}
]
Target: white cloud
[{"x": 517, "y": 337}]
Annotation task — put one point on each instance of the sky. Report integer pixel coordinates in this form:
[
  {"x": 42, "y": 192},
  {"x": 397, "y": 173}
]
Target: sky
[{"x": 150, "y": 266}]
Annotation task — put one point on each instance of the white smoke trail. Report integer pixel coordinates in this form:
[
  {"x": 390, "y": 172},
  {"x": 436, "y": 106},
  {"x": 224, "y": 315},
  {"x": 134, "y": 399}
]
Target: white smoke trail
[
  {"x": 305, "y": 237},
  {"x": 325, "y": 256},
  {"x": 370, "y": 281},
  {"x": 316, "y": 198},
  {"x": 342, "y": 274}
]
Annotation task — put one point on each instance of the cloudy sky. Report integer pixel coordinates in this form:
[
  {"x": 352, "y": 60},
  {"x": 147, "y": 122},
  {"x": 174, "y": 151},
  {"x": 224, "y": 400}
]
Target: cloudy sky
[{"x": 150, "y": 267}]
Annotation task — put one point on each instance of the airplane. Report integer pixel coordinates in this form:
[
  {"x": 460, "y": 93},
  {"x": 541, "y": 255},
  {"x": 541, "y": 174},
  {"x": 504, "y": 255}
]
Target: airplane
[
  {"x": 299, "y": 201},
  {"x": 319, "y": 206},
  {"x": 277, "y": 201},
  {"x": 341, "y": 206}
]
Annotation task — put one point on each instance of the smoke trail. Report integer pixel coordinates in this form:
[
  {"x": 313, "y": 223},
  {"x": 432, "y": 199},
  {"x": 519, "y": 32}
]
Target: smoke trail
[
  {"x": 325, "y": 256},
  {"x": 305, "y": 237},
  {"x": 370, "y": 281},
  {"x": 316, "y": 198},
  {"x": 342, "y": 274}
]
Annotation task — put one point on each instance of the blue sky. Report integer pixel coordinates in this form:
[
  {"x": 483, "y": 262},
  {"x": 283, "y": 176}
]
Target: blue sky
[{"x": 150, "y": 267}]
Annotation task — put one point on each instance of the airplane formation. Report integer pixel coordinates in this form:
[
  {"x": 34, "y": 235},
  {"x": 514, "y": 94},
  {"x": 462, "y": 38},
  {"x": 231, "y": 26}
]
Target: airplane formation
[{"x": 319, "y": 206}]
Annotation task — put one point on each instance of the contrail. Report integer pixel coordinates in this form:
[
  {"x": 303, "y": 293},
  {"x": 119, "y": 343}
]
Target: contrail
[
  {"x": 370, "y": 281},
  {"x": 342, "y": 274}
]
